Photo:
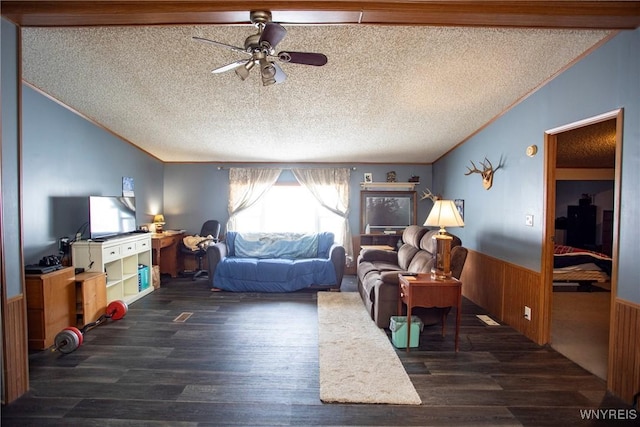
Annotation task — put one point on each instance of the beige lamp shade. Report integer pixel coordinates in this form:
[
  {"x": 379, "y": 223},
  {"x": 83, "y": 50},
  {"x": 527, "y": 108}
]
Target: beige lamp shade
[{"x": 444, "y": 214}]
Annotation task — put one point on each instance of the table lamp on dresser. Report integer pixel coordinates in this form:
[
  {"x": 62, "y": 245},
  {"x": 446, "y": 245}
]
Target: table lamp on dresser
[{"x": 443, "y": 214}]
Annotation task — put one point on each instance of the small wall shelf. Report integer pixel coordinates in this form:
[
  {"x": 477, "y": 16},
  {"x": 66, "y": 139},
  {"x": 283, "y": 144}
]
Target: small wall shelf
[{"x": 410, "y": 186}]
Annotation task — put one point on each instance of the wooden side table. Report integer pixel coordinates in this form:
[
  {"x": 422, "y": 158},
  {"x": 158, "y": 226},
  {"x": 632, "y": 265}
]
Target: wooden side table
[
  {"x": 166, "y": 251},
  {"x": 51, "y": 305},
  {"x": 425, "y": 291}
]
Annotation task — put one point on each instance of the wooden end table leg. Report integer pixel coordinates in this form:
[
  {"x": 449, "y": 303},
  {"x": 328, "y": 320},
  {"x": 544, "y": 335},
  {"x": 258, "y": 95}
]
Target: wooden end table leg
[
  {"x": 458, "y": 311},
  {"x": 409, "y": 328}
]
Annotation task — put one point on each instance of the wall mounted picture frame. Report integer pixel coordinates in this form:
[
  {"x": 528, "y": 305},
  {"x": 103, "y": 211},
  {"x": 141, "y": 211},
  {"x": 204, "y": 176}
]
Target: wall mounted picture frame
[
  {"x": 127, "y": 186},
  {"x": 460, "y": 206},
  {"x": 368, "y": 177}
]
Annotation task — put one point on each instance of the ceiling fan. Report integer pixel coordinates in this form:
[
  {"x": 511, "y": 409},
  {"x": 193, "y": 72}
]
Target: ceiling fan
[{"x": 260, "y": 48}]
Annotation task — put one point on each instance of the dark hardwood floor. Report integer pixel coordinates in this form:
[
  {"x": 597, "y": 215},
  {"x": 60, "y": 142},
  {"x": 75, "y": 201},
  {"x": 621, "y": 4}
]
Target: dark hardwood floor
[{"x": 252, "y": 359}]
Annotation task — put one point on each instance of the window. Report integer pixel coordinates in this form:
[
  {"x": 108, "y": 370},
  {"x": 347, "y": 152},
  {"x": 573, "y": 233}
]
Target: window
[{"x": 289, "y": 208}]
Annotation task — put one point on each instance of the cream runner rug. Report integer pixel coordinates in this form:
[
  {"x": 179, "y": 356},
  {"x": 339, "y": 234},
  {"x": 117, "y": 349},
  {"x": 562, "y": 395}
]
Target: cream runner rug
[{"x": 358, "y": 363}]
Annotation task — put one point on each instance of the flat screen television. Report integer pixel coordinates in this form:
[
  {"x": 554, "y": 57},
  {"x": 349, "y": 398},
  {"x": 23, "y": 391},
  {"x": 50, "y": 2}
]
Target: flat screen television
[
  {"x": 110, "y": 216},
  {"x": 387, "y": 211}
]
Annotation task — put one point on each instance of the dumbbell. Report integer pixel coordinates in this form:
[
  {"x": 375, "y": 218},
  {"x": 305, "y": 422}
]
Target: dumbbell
[{"x": 70, "y": 338}]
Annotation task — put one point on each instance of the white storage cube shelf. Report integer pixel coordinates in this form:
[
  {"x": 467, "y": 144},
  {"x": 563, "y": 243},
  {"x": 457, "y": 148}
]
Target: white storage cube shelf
[{"x": 119, "y": 258}]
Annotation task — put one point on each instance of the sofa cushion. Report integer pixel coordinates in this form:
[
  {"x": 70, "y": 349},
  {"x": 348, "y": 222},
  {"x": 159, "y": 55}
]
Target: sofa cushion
[
  {"x": 364, "y": 268},
  {"x": 422, "y": 262},
  {"x": 273, "y": 275},
  {"x": 411, "y": 245},
  {"x": 276, "y": 245},
  {"x": 405, "y": 255},
  {"x": 391, "y": 277},
  {"x": 413, "y": 234}
]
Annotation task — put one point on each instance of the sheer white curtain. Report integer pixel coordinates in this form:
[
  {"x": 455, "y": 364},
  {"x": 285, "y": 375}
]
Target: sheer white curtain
[
  {"x": 331, "y": 188},
  {"x": 246, "y": 186}
]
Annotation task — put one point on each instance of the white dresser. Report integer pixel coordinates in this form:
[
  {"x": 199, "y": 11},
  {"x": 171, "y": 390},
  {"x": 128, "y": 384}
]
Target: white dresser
[{"x": 120, "y": 258}]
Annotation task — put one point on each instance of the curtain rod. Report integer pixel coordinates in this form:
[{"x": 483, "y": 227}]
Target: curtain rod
[{"x": 286, "y": 169}]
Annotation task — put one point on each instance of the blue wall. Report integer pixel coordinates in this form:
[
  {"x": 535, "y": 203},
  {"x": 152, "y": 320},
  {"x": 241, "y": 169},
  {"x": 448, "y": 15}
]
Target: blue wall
[
  {"x": 194, "y": 193},
  {"x": 66, "y": 157},
  {"x": 604, "y": 81}
]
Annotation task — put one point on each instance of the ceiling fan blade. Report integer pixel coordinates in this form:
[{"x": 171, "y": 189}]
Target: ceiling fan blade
[
  {"x": 225, "y": 46},
  {"x": 307, "y": 58},
  {"x": 229, "y": 67},
  {"x": 273, "y": 34},
  {"x": 280, "y": 75}
]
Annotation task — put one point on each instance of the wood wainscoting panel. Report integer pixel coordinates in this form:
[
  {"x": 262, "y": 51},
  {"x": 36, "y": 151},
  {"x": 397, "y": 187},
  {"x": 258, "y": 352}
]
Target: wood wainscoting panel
[
  {"x": 624, "y": 353},
  {"x": 522, "y": 288},
  {"x": 482, "y": 282},
  {"x": 503, "y": 289},
  {"x": 15, "y": 354}
]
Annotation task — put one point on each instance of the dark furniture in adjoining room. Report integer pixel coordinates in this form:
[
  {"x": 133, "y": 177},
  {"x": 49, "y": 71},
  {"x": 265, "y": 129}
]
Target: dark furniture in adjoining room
[
  {"x": 378, "y": 271},
  {"x": 581, "y": 266},
  {"x": 209, "y": 228},
  {"x": 581, "y": 226},
  {"x": 607, "y": 232}
]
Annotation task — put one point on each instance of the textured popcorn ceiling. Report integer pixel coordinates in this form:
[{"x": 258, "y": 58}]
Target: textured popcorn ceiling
[
  {"x": 592, "y": 146},
  {"x": 388, "y": 93}
]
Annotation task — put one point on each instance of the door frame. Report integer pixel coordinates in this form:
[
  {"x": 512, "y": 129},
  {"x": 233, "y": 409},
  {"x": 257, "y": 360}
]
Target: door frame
[{"x": 550, "y": 144}]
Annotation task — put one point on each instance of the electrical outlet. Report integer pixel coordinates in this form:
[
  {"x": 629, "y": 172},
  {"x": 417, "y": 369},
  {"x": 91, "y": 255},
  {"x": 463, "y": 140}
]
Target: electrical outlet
[
  {"x": 527, "y": 312},
  {"x": 528, "y": 220}
]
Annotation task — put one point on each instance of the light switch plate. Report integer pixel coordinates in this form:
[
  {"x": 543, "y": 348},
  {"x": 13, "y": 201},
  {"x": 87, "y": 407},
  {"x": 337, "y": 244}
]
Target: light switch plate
[{"x": 528, "y": 220}]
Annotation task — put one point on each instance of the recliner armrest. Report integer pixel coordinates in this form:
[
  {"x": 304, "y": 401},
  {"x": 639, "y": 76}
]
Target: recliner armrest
[
  {"x": 215, "y": 253},
  {"x": 338, "y": 258},
  {"x": 391, "y": 277},
  {"x": 379, "y": 255}
]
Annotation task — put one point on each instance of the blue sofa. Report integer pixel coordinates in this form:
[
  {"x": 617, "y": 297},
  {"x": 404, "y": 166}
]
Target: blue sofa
[{"x": 275, "y": 262}]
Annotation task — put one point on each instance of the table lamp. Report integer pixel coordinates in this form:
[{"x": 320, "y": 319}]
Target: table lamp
[
  {"x": 158, "y": 223},
  {"x": 443, "y": 214}
]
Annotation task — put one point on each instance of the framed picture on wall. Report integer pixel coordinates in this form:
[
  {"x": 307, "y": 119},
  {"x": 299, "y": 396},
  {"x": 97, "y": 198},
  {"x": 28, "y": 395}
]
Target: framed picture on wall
[
  {"x": 368, "y": 177},
  {"x": 127, "y": 186},
  {"x": 460, "y": 206}
]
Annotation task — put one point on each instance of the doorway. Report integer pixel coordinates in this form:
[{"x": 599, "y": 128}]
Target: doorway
[{"x": 582, "y": 162}]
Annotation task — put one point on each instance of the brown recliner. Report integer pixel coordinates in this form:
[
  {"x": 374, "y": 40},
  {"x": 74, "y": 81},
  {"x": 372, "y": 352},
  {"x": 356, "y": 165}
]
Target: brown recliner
[{"x": 378, "y": 271}]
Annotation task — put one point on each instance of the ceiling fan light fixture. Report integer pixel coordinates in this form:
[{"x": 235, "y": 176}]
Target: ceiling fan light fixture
[
  {"x": 243, "y": 72},
  {"x": 268, "y": 72},
  {"x": 261, "y": 48},
  {"x": 267, "y": 69}
]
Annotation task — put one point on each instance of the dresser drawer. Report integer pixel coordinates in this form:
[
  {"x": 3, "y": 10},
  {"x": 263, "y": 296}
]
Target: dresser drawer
[
  {"x": 111, "y": 253},
  {"x": 143, "y": 245},
  {"x": 128, "y": 248}
]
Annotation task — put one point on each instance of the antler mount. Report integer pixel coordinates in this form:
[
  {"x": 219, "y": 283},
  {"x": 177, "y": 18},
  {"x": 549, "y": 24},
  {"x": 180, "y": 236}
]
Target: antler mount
[{"x": 486, "y": 172}]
